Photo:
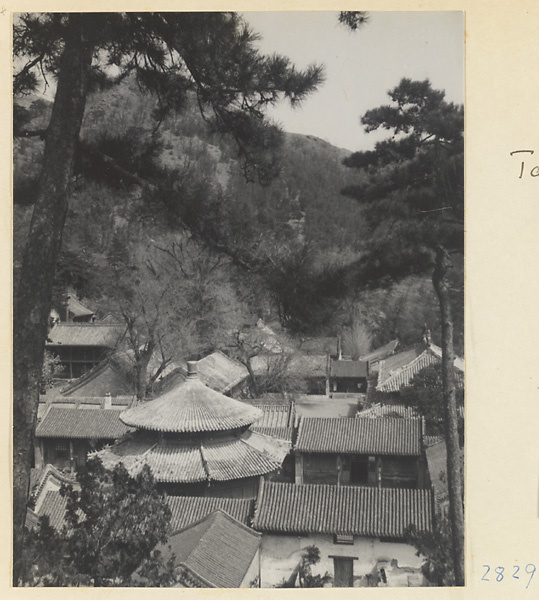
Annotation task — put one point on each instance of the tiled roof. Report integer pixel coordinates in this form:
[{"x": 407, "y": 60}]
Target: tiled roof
[
  {"x": 380, "y": 353},
  {"x": 105, "y": 377},
  {"x": 58, "y": 399},
  {"x": 275, "y": 415},
  {"x": 307, "y": 365},
  {"x": 236, "y": 459},
  {"x": 220, "y": 372},
  {"x": 189, "y": 509},
  {"x": 175, "y": 463},
  {"x": 277, "y": 421},
  {"x": 348, "y": 368},
  {"x": 313, "y": 365},
  {"x": 110, "y": 318},
  {"x": 36, "y": 475},
  {"x": 101, "y": 335},
  {"x": 191, "y": 407},
  {"x": 51, "y": 479},
  {"x": 77, "y": 308},
  {"x": 171, "y": 463},
  {"x": 398, "y": 361},
  {"x": 47, "y": 497},
  {"x": 430, "y": 440},
  {"x": 126, "y": 361},
  {"x": 54, "y": 506},
  {"x": 85, "y": 402},
  {"x": 224, "y": 459},
  {"x": 267, "y": 339},
  {"x": 74, "y": 423},
  {"x": 394, "y": 437},
  {"x": 32, "y": 519},
  {"x": 345, "y": 510},
  {"x": 281, "y": 433},
  {"x": 397, "y": 371},
  {"x": 117, "y": 402},
  {"x": 217, "y": 551},
  {"x": 185, "y": 509},
  {"x": 388, "y": 410}
]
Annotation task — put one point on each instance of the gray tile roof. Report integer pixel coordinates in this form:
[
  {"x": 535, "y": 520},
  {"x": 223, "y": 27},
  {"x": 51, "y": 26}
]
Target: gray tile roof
[
  {"x": 99, "y": 335},
  {"x": 277, "y": 420},
  {"x": 347, "y": 369},
  {"x": 275, "y": 415},
  {"x": 220, "y": 372},
  {"x": 191, "y": 406},
  {"x": 185, "y": 509},
  {"x": 217, "y": 551},
  {"x": 105, "y": 377},
  {"x": 77, "y": 308},
  {"x": 189, "y": 509},
  {"x": 74, "y": 423},
  {"x": 398, "y": 370},
  {"x": 388, "y": 410},
  {"x": 381, "y": 352},
  {"x": 390, "y": 436},
  {"x": 363, "y": 511},
  {"x": 281, "y": 433},
  {"x": 225, "y": 459}
]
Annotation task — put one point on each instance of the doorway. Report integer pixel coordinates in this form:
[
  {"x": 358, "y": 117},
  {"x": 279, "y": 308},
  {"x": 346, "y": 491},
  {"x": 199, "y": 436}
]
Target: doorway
[
  {"x": 344, "y": 571},
  {"x": 359, "y": 471}
]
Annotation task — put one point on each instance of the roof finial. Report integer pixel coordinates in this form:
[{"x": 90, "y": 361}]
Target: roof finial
[{"x": 192, "y": 369}]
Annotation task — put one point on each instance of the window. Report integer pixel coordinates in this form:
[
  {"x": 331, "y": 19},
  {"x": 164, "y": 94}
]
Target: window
[
  {"x": 61, "y": 450},
  {"x": 343, "y": 539}
]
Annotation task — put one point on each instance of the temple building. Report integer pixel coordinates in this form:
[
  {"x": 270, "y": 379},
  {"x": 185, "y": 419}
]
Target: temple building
[{"x": 198, "y": 442}]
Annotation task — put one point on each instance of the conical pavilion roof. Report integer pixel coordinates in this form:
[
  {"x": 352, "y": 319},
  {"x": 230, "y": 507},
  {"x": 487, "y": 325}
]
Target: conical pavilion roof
[{"x": 191, "y": 407}]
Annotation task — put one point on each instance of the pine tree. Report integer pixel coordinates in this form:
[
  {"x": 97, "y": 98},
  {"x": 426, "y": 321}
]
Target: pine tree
[
  {"x": 171, "y": 54},
  {"x": 412, "y": 194}
]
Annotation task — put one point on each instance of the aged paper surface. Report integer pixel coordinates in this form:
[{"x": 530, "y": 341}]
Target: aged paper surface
[{"x": 502, "y": 294}]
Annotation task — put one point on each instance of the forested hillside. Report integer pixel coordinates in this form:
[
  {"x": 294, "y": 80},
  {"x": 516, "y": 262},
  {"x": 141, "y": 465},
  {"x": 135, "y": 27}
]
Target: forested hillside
[{"x": 163, "y": 228}]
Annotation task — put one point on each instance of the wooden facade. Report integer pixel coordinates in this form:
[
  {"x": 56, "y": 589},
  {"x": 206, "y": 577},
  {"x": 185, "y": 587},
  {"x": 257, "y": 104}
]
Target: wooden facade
[
  {"x": 78, "y": 360},
  {"x": 361, "y": 469}
]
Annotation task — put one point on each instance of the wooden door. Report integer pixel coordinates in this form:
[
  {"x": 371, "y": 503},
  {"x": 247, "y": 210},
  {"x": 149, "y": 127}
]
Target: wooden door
[{"x": 344, "y": 572}]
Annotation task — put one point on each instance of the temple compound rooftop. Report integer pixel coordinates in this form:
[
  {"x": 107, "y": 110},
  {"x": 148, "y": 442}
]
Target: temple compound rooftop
[{"x": 198, "y": 442}]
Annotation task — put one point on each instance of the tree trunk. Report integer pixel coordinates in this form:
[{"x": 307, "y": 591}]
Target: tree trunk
[
  {"x": 142, "y": 384},
  {"x": 34, "y": 292},
  {"x": 454, "y": 479}
]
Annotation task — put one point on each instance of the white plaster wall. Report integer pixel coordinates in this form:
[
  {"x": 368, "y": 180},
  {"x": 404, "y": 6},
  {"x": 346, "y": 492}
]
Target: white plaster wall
[
  {"x": 252, "y": 571},
  {"x": 281, "y": 554}
]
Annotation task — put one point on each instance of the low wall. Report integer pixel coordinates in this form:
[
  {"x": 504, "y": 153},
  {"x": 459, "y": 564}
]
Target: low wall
[{"x": 280, "y": 554}]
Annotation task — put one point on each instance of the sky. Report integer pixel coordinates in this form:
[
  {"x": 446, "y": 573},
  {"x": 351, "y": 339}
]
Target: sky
[{"x": 361, "y": 66}]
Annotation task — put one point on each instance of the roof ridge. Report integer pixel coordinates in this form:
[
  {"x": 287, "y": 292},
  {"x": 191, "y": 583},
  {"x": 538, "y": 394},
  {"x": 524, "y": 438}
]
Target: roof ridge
[
  {"x": 258, "y": 499},
  {"x": 85, "y": 377},
  {"x": 205, "y": 465},
  {"x": 414, "y": 361},
  {"x": 265, "y": 455},
  {"x": 236, "y": 522}
]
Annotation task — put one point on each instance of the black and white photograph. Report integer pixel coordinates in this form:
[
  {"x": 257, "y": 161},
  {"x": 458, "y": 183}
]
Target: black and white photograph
[{"x": 238, "y": 299}]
